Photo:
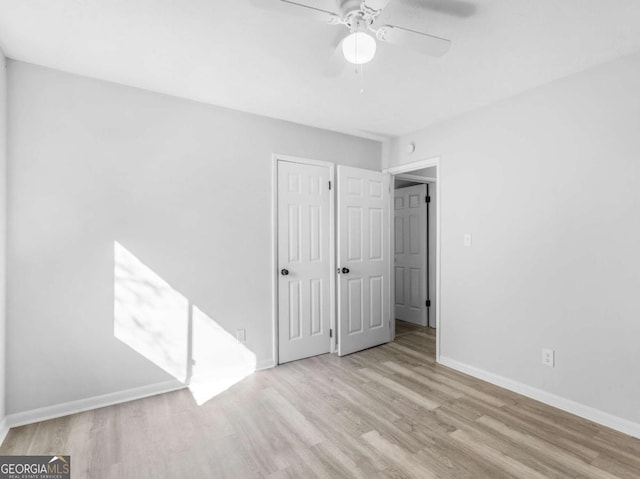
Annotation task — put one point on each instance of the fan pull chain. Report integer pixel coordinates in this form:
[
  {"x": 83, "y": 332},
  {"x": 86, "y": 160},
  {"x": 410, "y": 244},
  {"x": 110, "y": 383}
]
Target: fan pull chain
[{"x": 361, "y": 65}]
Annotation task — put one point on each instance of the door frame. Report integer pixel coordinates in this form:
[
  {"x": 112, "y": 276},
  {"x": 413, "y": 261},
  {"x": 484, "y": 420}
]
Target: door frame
[
  {"x": 404, "y": 171},
  {"x": 275, "y": 158}
]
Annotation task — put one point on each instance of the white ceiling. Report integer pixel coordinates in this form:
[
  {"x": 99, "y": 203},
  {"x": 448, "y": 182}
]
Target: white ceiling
[{"x": 228, "y": 53}]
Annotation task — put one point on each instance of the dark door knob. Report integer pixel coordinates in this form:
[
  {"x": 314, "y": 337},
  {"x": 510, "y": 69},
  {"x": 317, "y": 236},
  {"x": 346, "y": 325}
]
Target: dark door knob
[
  {"x": 345, "y": 270},
  {"x": 284, "y": 271}
]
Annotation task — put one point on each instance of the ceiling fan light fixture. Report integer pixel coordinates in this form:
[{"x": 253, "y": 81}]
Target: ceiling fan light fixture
[{"x": 359, "y": 48}]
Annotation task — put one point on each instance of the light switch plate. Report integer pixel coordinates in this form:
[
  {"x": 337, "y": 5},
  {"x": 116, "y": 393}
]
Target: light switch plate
[
  {"x": 241, "y": 335},
  {"x": 467, "y": 239}
]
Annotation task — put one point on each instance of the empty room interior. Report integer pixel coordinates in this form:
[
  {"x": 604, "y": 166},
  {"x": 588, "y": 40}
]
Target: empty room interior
[{"x": 319, "y": 238}]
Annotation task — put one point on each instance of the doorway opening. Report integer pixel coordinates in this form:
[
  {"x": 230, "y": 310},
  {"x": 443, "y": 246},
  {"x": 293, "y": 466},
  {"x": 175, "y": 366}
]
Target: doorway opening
[{"x": 415, "y": 253}]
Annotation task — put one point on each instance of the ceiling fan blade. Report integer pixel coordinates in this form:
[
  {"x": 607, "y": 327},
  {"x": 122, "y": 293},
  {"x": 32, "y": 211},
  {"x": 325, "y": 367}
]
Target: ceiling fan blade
[
  {"x": 376, "y": 4},
  {"x": 420, "y": 42},
  {"x": 298, "y": 9}
]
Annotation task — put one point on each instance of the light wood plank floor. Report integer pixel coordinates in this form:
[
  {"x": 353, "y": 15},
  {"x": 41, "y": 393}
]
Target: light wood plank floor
[
  {"x": 387, "y": 412},
  {"x": 403, "y": 327}
]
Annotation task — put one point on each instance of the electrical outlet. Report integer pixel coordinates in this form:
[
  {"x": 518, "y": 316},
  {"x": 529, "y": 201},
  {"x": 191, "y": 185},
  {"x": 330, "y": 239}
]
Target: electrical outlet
[
  {"x": 548, "y": 357},
  {"x": 467, "y": 239},
  {"x": 241, "y": 335}
]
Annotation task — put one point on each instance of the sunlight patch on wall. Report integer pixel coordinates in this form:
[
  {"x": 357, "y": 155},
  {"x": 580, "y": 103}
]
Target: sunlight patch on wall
[
  {"x": 219, "y": 360},
  {"x": 149, "y": 315},
  {"x": 162, "y": 325}
]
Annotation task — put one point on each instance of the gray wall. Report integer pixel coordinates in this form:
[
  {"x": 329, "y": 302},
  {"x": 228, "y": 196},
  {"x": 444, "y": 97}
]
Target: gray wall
[
  {"x": 3, "y": 225},
  {"x": 548, "y": 184},
  {"x": 184, "y": 186}
]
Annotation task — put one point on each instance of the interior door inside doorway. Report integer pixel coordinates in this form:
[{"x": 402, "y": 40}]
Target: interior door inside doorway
[{"x": 410, "y": 262}]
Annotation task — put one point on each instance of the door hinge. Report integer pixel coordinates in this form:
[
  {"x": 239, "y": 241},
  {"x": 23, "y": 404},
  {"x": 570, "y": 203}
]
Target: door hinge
[
  {"x": 331, "y": 333},
  {"x": 427, "y": 199},
  {"x": 428, "y": 303},
  {"x": 329, "y": 185}
]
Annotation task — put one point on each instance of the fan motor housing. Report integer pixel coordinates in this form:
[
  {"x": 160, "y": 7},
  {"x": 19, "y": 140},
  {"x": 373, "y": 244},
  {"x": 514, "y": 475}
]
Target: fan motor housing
[{"x": 349, "y": 6}]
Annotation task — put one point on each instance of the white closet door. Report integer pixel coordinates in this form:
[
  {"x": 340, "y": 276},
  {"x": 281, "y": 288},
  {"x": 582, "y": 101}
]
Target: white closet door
[
  {"x": 410, "y": 244},
  {"x": 304, "y": 300},
  {"x": 363, "y": 259}
]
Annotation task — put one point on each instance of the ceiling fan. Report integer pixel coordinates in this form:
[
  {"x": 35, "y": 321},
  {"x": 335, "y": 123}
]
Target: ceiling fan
[{"x": 361, "y": 17}]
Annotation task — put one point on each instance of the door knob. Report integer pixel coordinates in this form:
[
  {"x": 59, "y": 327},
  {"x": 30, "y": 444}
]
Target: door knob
[
  {"x": 284, "y": 271},
  {"x": 345, "y": 270}
]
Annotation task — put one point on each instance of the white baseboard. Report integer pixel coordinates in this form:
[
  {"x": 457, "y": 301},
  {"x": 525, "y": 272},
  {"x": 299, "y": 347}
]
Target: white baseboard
[
  {"x": 587, "y": 412},
  {"x": 4, "y": 429},
  {"x": 82, "y": 405},
  {"x": 265, "y": 364},
  {"x": 95, "y": 402}
]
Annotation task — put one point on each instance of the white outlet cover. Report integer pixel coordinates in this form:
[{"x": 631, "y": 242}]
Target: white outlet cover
[
  {"x": 467, "y": 239},
  {"x": 548, "y": 357}
]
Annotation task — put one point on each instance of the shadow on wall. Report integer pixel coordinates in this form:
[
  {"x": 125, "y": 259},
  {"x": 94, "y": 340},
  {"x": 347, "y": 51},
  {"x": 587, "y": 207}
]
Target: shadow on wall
[{"x": 162, "y": 325}]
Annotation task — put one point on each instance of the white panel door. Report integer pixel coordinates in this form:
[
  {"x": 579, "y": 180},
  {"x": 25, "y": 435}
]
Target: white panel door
[
  {"x": 363, "y": 259},
  {"x": 410, "y": 244},
  {"x": 304, "y": 301}
]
